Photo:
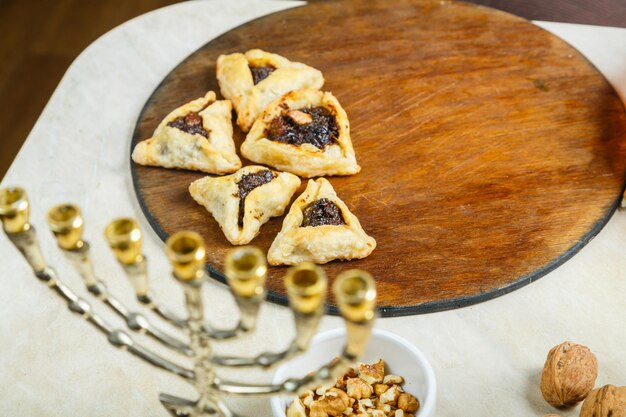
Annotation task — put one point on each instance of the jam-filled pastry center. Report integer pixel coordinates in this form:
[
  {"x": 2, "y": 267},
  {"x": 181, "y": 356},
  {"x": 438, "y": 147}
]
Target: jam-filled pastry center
[
  {"x": 190, "y": 123},
  {"x": 314, "y": 125},
  {"x": 249, "y": 182},
  {"x": 322, "y": 212},
  {"x": 259, "y": 73}
]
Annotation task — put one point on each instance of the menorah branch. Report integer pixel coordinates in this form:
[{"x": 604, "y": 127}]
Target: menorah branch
[
  {"x": 125, "y": 239},
  {"x": 66, "y": 223}
]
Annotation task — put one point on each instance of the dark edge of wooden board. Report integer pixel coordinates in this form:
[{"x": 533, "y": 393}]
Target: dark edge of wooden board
[{"x": 393, "y": 311}]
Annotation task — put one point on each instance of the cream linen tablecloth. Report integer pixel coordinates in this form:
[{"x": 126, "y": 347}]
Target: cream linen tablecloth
[{"x": 487, "y": 357}]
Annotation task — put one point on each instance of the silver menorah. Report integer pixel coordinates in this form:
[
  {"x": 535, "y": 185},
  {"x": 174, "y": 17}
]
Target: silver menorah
[{"x": 245, "y": 269}]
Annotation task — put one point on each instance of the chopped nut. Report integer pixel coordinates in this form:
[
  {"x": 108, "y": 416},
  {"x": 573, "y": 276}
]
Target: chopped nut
[
  {"x": 333, "y": 403},
  {"x": 383, "y": 407},
  {"x": 341, "y": 382},
  {"x": 364, "y": 404},
  {"x": 377, "y": 413},
  {"x": 390, "y": 396},
  {"x": 357, "y": 388},
  {"x": 317, "y": 410},
  {"x": 408, "y": 402},
  {"x": 373, "y": 373},
  {"x": 296, "y": 409},
  {"x": 342, "y": 395},
  {"x": 393, "y": 379},
  {"x": 379, "y": 389},
  {"x": 300, "y": 117},
  {"x": 399, "y": 413},
  {"x": 322, "y": 390},
  {"x": 345, "y": 400},
  {"x": 307, "y": 398}
]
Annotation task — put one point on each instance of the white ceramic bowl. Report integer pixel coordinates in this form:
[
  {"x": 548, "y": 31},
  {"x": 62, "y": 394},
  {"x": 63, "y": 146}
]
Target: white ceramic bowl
[{"x": 401, "y": 358}]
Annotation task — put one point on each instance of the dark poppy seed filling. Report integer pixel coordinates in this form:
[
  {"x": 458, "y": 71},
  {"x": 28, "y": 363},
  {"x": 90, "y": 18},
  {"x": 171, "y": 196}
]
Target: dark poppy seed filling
[
  {"x": 322, "y": 212},
  {"x": 191, "y": 123},
  {"x": 320, "y": 131},
  {"x": 260, "y": 73},
  {"x": 249, "y": 182}
]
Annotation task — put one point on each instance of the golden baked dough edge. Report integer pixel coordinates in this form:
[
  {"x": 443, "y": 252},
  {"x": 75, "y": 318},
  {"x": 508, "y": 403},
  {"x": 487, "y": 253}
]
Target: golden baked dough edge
[
  {"x": 249, "y": 100},
  {"x": 304, "y": 160},
  {"x": 219, "y": 196},
  {"x": 170, "y": 147},
  {"x": 319, "y": 244}
]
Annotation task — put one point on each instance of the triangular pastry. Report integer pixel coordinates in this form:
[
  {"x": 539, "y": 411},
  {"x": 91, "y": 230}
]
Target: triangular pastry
[
  {"x": 242, "y": 202},
  {"x": 254, "y": 79},
  {"x": 319, "y": 228},
  {"x": 196, "y": 136},
  {"x": 305, "y": 132}
]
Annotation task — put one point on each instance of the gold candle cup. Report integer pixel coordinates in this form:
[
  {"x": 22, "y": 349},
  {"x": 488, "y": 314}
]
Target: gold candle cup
[
  {"x": 246, "y": 269},
  {"x": 124, "y": 238},
  {"x": 66, "y": 223},
  {"x": 355, "y": 292},
  {"x": 14, "y": 209},
  {"x": 186, "y": 253},
  {"x": 306, "y": 285}
]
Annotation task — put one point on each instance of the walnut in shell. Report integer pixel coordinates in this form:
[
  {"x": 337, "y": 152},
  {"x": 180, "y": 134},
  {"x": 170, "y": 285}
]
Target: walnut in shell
[
  {"x": 569, "y": 374},
  {"x": 608, "y": 401}
]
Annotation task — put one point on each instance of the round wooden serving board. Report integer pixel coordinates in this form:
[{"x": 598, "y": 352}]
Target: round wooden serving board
[{"x": 491, "y": 150}]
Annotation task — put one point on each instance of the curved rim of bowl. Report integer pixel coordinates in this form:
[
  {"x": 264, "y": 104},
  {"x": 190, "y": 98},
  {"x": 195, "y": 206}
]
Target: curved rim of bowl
[{"x": 427, "y": 405}]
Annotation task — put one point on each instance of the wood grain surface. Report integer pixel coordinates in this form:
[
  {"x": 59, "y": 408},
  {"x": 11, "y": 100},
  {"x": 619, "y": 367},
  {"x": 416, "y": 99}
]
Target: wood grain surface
[{"x": 491, "y": 150}]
